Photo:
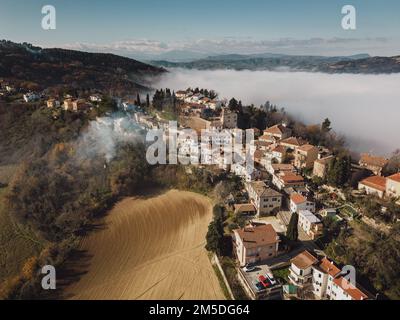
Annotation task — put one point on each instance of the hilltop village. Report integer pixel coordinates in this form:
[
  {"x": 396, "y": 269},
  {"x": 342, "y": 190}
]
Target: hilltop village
[
  {"x": 282, "y": 217},
  {"x": 289, "y": 202}
]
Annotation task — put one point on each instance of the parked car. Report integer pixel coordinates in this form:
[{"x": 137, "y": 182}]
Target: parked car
[
  {"x": 259, "y": 285},
  {"x": 249, "y": 268},
  {"x": 264, "y": 281},
  {"x": 271, "y": 279}
]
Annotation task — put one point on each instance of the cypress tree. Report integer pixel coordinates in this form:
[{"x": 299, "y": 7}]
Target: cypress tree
[{"x": 292, "y": 231}]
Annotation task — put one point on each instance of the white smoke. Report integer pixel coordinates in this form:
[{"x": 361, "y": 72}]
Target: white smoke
[
  {"x": 104, "y": 134},
  {"x": 365, "y": 108}
]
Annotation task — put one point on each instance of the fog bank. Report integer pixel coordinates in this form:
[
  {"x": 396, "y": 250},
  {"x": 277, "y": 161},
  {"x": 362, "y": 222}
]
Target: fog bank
[{"x": 365, "y": 108}]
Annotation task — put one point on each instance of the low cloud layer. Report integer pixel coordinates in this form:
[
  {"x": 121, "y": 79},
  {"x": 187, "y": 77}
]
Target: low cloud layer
[{"x": 365, "y": 108}]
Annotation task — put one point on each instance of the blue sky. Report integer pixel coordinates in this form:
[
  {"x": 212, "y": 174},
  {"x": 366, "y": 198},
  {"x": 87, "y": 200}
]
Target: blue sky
[{"x": 91, "y": 23}]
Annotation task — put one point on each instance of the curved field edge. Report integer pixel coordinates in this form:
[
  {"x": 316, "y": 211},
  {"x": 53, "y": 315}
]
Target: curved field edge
[{"x": 150, "y": 248}]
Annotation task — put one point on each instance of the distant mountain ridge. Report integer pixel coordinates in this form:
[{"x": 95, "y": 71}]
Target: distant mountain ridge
[
  {"x": 268, "y": 55},
  {"x": 360, "y": 63},
  {"x": 60, "y": 67}
]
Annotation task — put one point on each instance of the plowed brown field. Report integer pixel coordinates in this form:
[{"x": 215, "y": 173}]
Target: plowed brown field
[{"x": 151, "y": 249}]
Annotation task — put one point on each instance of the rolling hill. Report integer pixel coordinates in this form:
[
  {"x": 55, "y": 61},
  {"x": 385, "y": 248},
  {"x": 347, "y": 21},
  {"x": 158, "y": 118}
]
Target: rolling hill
[
  {"x": 40, "y": 68},
  {"x": 361, "y": 63}
]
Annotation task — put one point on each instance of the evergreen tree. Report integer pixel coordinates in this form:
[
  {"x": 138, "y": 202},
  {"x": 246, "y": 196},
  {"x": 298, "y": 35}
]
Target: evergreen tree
[
  {"x": 215, "y": 233},
  {"x": 138, "y": 100},
  {"x": 292, "y": 231},
  {"x": 339, "y": 171},
  {"x": 326, "y": 125},
  {"x": 147, "y": 101},
  {"x": 233, "y": 104},
  {"x": 213, "y": 238}
]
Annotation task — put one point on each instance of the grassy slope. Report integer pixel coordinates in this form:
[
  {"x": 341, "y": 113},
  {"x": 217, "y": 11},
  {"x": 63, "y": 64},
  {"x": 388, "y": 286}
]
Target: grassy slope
[{"x": 16, "y": 243}]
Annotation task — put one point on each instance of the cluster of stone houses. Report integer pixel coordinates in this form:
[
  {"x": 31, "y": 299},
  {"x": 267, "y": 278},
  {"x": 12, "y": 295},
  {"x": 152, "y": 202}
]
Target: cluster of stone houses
[
  {"x": 318, "y": 276},
  {"x": 382, "y": 187},
  {"x": 196, "y": 106},
  {"x": 73, "y": 104},
  {"x": 323, "y": 278},
  {"x": 69, "y": 103},
  {"x": 378, "y": 185},
  {"x": 7, "y": 89},
  {"x": 76, "y": 105},
  {"x": 275, "y": 179},
  {"x": 191, "y": 97}
]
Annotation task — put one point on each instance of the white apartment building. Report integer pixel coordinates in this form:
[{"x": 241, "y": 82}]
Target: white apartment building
[
  {"x": 248, "y": 175},
  {"x": 299, "y": 203},
  {"x": 323, "y": 278},
  {"x": 310, "y": 224}
]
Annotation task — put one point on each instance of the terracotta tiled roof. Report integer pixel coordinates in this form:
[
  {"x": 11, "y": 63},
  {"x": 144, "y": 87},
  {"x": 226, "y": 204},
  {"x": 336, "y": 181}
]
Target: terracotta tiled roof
[
  {"x": 369, "y": 160},
  {"x": 263, "y": 190},
  {"x": 258, "y": 236},
  {"x": 304, "y": 260},
  {"x": 262, "y": 143},
  {"x": 279, "y": 149},
  {"x": 282, "y": 167},
  {"x": 266, "y": 137},
  {"x": 258, "y": 155},
  {"x": 395, "y": 177},
  {"x": 307, "y": 147},
  {"x": 294, "y": 141},
  {"x": 376, "y": 182},
  {"x": 290, "y": 177},
  {"x": 351, "y": 290},
  {"x": 244, "y": 207},
  {"x": 297, "y": 198},
  {"x": 277, "y": 129},
  {"x": 328, "y": 267}
]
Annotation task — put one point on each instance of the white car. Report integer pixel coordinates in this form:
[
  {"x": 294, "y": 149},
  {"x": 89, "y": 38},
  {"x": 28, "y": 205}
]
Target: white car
[{"x": 271, "y": 279}]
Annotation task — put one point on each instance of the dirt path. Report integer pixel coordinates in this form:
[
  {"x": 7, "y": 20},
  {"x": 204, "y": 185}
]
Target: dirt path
[{"x": 151, "y": 249}]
